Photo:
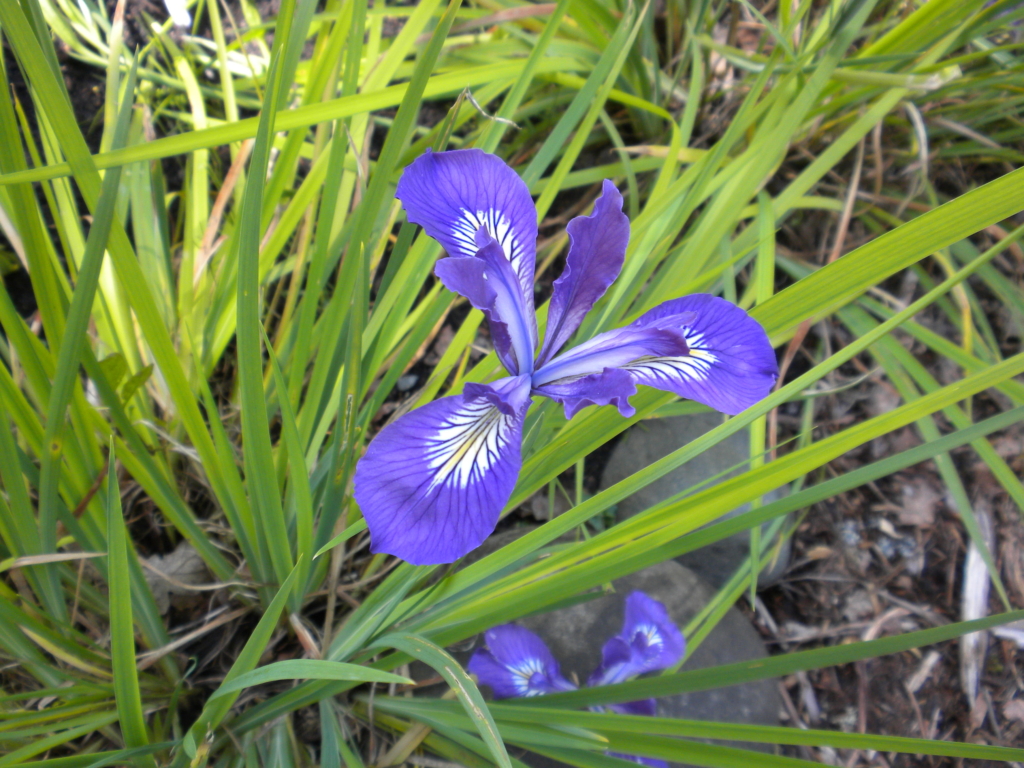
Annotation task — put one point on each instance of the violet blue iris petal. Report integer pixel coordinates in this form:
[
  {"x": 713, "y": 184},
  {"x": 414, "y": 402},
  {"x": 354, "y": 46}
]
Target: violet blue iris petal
[
  {"x": 432, "y": 484},
  {"x": 730, "y": 364},
  {"x": 645, "y": 707},
  {"x": 452, "y": 194},
  {"x": 490, "y": 285},
  {"x": 649, "y": 641},
  {"x": 612, "y": 349},
  {"x": 653, "y": 762},
  {"x": 517, "y": 663},
  {"x": 597, "y": 247},
  {"x": 613, "y": 386}
]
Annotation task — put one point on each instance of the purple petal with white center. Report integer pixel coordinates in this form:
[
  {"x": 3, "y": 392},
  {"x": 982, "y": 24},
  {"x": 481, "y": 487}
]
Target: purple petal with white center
[
  {"x": 452, "y": 194},
  {"x": 491, "y": 286},
  {"x": 517, "y": 663},
  {"x": 730, "y": 364},
  {"x": 613, "y": 386},
  {"x": 612, "y": 349},
  {"x": 649, "y": 641},
  {"x": 432, "y": 484},
  {"x": 597, "y": 247}
]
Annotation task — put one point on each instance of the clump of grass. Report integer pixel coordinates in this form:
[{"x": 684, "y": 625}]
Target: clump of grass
[{"x": 236, "y": 336}]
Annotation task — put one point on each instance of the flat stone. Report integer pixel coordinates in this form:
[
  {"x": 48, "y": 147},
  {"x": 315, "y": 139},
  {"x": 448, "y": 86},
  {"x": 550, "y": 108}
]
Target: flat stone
[
  {"x": 576, "y": 635},
  {"x": 654, "y": 439}
]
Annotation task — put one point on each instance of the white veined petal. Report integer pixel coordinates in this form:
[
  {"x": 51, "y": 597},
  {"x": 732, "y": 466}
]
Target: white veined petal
[
  {"x": 651, "y": 635},
  {"x": 524, "y": 672},
  {"x": 498, "y": 225},
  {"x": 696, "y": 365},
  {"x": 470, "y": 442}
]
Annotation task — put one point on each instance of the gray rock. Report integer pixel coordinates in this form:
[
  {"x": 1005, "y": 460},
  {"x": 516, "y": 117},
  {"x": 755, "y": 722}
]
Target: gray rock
[
  {"x": 576, "y": 635},
  {"x": 654, "y": 439}
]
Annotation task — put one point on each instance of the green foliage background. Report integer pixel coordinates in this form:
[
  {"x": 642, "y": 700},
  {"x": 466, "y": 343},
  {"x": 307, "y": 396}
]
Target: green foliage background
[{"x": 184, "y": 319}]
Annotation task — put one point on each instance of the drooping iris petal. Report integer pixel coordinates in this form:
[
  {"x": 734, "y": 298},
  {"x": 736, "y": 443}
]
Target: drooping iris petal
[
  {"x": 730, "y": 364},
  {"x": 612, "y": 349},
  {"x": 452, "y": 194},
  {"x": 597, "y": 247},
  {"x": 432, "y": 484},
  {"x": 490, "y": 285},
  {"x": 613, "y": 386},
  {"x": 649, "y": 641},
  {"x": 517, "y": 663}
]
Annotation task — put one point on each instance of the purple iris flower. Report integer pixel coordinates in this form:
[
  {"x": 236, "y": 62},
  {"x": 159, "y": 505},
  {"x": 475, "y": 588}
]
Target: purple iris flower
[
  {"x": 433, "y": 483},
  {"x": 649, "y": 641},
  {"x": 516, "y": 663}
]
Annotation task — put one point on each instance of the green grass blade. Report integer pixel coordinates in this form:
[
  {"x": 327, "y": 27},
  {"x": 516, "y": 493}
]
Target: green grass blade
[
  {"x": 122, "y": 632},
  {"x": 466, "y": 690},
  {"x": 308, "y": 669},
  {"x": 348, "y": 533},
  {"x": 215, "y": 711},
  {"x": 299, "y": 486},
  {"x": 444, "y": 84},
  {"x": 834, "y": 285},
  {"x": 69, "y": 356},
  {"x": 775, "y": 666},
  {"x": 607, "y": 722},
  {"x": 260, "y": 475}
]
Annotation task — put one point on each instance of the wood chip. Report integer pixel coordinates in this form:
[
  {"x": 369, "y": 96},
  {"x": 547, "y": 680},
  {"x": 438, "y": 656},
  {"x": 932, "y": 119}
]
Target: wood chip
[
  {"x": 920, "y": 677},
  {"x": 1014, "y": 710},
  {"x": 920, "y": 500},
  {"x": 974, "y": 605}
]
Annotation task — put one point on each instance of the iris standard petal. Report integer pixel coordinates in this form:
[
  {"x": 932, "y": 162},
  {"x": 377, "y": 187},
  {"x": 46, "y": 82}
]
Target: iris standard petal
[
  {"x": 612, "y": 349},
  {"x": 730, "y": 363},
  {"x": 465, "y": 276},
  {"x": 597, "y": 247},
  {"x": 517, "y": 663},
  {"x": 491, "y": 286},
  {"x": 613, "y": 386},
  {"x": 432, "y": 484},
  {"x": 452, "y": 194},
  {"x": 649, "y": 641},
  {"x": 651, "y": 632}
]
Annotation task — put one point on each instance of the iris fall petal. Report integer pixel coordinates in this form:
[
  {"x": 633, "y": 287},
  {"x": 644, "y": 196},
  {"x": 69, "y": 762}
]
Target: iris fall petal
[
  {"x": 432, "y": 484},
  {"x": 517, "y": 663},
  {"x": 730, "y": 363},
  {"x": 612, "y": 349},
  {"x": 452, "y": 194}
]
